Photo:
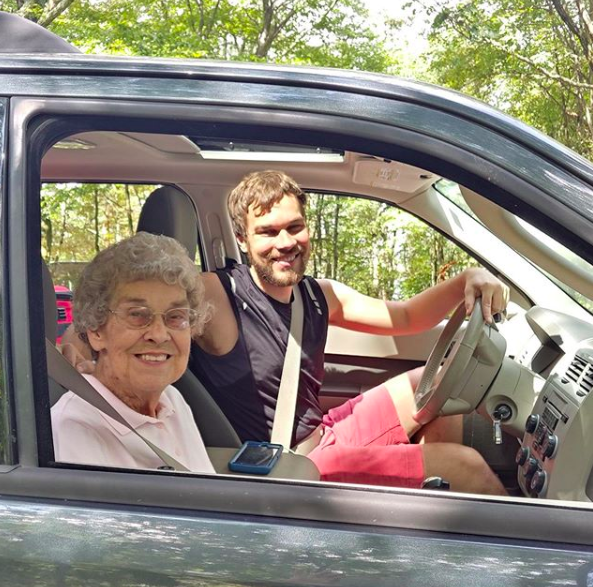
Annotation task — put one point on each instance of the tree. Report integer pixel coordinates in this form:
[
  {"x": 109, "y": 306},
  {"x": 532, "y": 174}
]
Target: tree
[
  {"x": 377, "y": 248},
  {"x": 79, "y": 220},
  {"x": 532, "y": 58},
  {"x": 43, "y": 12},
  {"x": 320, "y": 32}
]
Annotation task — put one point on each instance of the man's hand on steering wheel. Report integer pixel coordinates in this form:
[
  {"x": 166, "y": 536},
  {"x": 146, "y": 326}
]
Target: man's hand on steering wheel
[{"x": 480, "y": 283}]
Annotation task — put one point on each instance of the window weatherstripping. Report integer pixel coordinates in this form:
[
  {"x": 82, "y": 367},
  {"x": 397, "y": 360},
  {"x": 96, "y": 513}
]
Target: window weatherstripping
[{"x": 6, "y": 444}]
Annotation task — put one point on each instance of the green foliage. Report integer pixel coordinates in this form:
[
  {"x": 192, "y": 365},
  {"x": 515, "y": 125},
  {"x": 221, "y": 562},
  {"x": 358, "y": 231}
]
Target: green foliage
[
  {"x": 9, "y": 6},
  {"x": 378, "y": 249},
  {"x": 319, "y": 32},
  {"x": 43, "y": 12},
  {"x": 530, "y": 58},
  {"x": 79, "y": 220}
]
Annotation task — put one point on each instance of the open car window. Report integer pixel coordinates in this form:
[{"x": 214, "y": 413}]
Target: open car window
[
  {"x": 367, "y": 242},
  {"x": 390, "y": 247}
]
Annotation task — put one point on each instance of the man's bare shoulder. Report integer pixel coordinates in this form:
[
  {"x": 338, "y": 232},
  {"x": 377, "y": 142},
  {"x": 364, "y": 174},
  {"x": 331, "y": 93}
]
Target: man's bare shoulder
[
  {"x": 333, "y": 291},
  {"x": 215, "y": 293},
  {"x": 211, "y": 281},
  {"x": 325, "y": 284},
  {"x": 221, "y": 331}
]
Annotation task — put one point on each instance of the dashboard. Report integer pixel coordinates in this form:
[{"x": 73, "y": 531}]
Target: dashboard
[{"x": 555, "y": 459}]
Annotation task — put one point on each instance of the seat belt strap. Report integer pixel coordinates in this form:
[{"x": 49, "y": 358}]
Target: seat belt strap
[
  {"x": 289, "y": 383},
  {"x": 62, "y": 372}
]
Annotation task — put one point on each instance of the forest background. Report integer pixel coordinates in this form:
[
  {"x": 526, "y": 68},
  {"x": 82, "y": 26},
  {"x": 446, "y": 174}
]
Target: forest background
[{"x": 530, "y": 58}]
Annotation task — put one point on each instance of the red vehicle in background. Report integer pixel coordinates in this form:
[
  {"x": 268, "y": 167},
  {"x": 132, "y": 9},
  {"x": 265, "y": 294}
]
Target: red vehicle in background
[{"x": 64, "y": 304}]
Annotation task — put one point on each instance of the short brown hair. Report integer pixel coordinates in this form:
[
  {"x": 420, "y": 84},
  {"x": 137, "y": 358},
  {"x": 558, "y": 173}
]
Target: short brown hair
[{"x": 261, "y": 189}]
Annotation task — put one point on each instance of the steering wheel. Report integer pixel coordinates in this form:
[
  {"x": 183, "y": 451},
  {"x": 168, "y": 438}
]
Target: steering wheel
[{"x": 474, "y": 359}]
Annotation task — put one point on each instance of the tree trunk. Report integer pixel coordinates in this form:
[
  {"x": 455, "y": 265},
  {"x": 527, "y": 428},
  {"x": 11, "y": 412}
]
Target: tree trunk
[
  {"x": 335, "y": 240},
  {"x": 129, "y": 210},
  {"x": 43, "y": 12},
  {"x": 96, "y": 218}
]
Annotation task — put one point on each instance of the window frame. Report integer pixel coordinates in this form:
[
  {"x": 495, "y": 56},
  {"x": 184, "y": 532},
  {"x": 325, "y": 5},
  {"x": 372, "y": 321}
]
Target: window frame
[{"x": 7, "y": 415}]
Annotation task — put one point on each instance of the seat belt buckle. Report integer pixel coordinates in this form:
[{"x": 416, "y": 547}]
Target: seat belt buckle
[{"x": 436, "y": 483}]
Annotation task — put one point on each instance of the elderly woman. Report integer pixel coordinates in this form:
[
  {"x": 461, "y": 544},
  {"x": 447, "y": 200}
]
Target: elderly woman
[{"x": 135, "y": 306}]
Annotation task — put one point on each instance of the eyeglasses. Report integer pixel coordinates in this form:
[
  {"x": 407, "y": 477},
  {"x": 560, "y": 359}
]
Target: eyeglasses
[{"x": 138, "y": 317}]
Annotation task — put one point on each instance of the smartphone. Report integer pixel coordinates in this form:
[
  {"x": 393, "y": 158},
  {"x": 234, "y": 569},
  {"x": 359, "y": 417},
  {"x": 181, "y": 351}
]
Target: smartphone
[{"x": 257, "y": 458}]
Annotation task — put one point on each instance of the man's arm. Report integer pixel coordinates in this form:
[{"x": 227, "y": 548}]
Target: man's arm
[
  {"x": 355, "y": 311},
  {"x": 221, "y": 331}
]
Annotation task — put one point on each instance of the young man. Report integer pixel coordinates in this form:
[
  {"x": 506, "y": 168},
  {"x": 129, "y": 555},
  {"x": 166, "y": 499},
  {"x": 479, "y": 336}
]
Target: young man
[{"x": 240, "y": 356}]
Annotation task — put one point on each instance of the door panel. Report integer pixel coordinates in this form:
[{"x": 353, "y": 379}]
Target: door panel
[
  {"x": 96, "y": 546},
  {"x": 356, "y": 362},
  {"x": 6, "y": 442}
]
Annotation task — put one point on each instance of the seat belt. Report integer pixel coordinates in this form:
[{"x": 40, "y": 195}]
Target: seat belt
[
  {"x": 62, "y": 372},
  {"x": 289, "y": 382}
]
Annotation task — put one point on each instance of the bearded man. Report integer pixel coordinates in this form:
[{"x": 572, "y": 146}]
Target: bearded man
[{"x": 240, "y": 355}]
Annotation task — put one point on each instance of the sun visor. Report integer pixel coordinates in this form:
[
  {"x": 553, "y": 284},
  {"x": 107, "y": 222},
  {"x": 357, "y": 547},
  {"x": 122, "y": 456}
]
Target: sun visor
[{"x": 391, "y": 175}]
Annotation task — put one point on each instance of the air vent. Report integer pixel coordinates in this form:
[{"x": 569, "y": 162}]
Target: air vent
[
  {"x": 580, "y": 372},
  {"x": 62, "y": 314},
  {"x": 587, "y": 381}
]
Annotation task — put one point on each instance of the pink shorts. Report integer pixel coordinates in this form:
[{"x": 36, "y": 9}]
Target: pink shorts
[{"x": 364, "y": 442}]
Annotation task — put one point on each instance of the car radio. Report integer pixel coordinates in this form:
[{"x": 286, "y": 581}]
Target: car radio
[{"x": 551, "y": 458}]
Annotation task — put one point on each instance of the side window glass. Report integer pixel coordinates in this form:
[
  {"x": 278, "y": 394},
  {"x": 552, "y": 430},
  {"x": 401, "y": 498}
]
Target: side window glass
[
  {"x": 77, "y": 221},
  {"x": 377, "y": 248},
  {"x": 5, "y": 424}
]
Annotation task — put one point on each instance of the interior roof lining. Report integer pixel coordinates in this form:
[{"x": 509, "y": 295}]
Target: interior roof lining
[{"x": 338, "y": 132}]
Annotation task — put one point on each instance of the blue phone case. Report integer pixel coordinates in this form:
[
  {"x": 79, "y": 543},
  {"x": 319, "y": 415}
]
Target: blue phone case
[{"x": 257, "y": 458}]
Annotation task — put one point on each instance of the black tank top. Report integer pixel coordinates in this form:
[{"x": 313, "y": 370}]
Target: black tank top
[{"x": 245, "y": 381}]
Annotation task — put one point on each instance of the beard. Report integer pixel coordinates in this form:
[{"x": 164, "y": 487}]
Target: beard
[{"x": 264, "y": 268}]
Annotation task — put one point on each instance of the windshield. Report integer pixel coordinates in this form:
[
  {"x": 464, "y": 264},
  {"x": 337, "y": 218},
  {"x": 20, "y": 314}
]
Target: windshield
[
  {"x": 450, "y": 190},
  {"x": 568, "y": 256}
]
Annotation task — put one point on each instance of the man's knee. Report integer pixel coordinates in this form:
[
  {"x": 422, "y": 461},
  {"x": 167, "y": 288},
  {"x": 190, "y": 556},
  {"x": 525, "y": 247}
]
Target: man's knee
[{"x": 462, "y": 466}]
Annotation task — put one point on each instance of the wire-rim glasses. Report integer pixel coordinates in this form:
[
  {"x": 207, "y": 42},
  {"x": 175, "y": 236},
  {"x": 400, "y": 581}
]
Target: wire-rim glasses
[{"x": 138, "y": 317}]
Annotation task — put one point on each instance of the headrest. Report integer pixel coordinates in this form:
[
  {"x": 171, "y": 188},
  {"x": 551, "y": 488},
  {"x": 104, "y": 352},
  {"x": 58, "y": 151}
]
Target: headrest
[
  {"x": 50, "y": 307},
  {"x": 19, "y": 35},
  {"x": 170, "y": 212}
]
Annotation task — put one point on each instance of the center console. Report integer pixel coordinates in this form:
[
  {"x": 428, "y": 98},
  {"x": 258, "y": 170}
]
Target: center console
[
  {"x": 289, "y": 465},
  {"x": 555, "y": 459}
]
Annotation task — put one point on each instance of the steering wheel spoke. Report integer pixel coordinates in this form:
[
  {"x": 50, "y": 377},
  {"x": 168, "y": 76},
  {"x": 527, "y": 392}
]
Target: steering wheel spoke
[{"x": 457, "y": 383}]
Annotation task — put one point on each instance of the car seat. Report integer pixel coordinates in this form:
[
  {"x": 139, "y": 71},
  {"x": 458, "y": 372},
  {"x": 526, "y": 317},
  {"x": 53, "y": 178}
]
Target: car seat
[{"x": 170, "y": 212}]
